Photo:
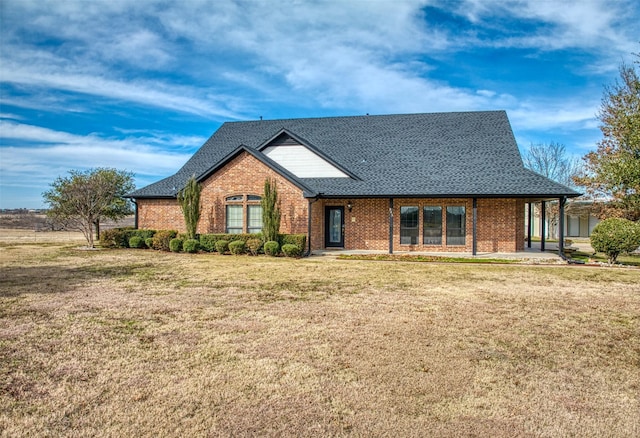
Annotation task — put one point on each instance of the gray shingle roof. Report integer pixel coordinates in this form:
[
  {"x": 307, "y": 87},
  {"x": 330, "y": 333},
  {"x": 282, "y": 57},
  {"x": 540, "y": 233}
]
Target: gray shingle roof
[{"x": 437, "y": 154}]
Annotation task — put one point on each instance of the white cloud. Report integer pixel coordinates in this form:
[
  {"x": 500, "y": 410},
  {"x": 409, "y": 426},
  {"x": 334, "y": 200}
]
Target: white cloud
[{"x": 48, "y": 153}]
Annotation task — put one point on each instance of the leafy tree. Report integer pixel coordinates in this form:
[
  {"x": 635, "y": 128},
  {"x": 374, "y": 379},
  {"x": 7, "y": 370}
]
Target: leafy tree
[
  {"x": 614, "y": 236},
  {"x": 613, "y": 170},
  {"x": 552, "y": 161},
  {"x": 270, "y": 211},
  {"x": 85, "y": 197},
  {"x": 189, "y": 199}
]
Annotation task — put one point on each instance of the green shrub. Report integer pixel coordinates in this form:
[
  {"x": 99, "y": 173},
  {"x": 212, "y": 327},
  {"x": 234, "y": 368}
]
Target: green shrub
[
  {"x": 136, "y": 242},
  {"x": 615, "y": 236},
  {"x": 293, "y": 239},
  {"x": 237, "y": 247},
  {"x": 143, "y": 234},
  {"x": 222, "y": 246},
  {"x": 149, "y": 242},
  {"x": 116, "y": 237},
  {"x": 272, "y": 248},
  {"x": 254, "y": 245},
  {"x": 291, "y": 250},
  {"x": 191, "y": 245},
  {"x": 120, "y": 237},
  {"x": 162, "y": 238},
  {"x": 175, "y": 245},
  {"x": 208, "y": 241}
]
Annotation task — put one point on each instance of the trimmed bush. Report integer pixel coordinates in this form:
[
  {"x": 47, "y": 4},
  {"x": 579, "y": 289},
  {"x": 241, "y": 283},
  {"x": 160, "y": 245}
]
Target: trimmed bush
[
  {"x": 293, "y": 239},
  {"x": 136, "y": 242},
  {"x": 615, "y": 236},
  {"x": 222, "y": 246},
  {"x": 208, "y": 241},
  {"x": 291, "y": 250},
  {"x": 254, "y": 245},
  {"x": 120, "y": 237},
  {"x": 237, "y": 247},
  {"x": 162, "y": 238},
  {"x": 149, "y": 242},
  {"x": 116, "y": 237},
  {"x": 175, "y": 245},
  {"x": 272, "y": 248},
  {"x": 191, "y": 246}
]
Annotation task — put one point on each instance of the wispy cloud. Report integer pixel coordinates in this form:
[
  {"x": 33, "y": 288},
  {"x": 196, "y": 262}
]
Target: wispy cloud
[{"x": 49, "y": 152}]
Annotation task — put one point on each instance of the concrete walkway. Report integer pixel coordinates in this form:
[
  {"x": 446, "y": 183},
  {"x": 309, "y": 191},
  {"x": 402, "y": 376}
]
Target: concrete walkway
[{"x": 550, "y": 255}]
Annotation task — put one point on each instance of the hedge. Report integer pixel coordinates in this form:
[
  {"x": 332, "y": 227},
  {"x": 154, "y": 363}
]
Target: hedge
[
  {"x": 208, "y": 241},
  {"x": 272, "y": 248},
  {"x": 175, "y": 245},
  {"x": 300, "y": 240},
  {"x": 291, "y": 250},
  {"x": 162, "y": 238},
  {"x": 237, "y": 247},
  {"x": 190, "y": 245},
  {"x": 120, "y": 237}
]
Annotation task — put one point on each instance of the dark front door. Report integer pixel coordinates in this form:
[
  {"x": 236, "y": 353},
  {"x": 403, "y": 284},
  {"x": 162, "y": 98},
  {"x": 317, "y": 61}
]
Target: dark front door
[{"x": 334, "y": 227}]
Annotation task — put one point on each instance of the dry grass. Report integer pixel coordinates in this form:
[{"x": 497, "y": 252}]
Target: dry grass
[{"x": 141, "y": 343}]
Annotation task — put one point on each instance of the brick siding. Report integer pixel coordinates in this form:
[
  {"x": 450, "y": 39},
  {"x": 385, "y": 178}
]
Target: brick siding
[
  {"x": 500, "y": 226},
  {"x": 243, "y": 175}
]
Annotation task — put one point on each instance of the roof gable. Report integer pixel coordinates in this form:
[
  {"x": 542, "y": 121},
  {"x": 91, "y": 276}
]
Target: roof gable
[
  {"x": 437, "y": 154},
  {"x": 302, "y": 160}
]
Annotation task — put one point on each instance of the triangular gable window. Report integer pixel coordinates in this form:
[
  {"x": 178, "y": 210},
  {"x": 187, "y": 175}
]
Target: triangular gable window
[{"x": 300, "y": 160}]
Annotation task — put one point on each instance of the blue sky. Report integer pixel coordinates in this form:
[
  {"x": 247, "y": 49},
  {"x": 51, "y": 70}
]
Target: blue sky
[{"x": 139, "y": 85}]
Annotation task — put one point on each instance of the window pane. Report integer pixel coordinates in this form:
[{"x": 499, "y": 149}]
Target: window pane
[
  {"x": 432, "y": 226},
  {"x": 408, "y": 225},
  {"x": 254, "y": 198},
  {"x": 234, "y": 219},
  {"x": 254, "y": 218},
  {"x": 234, "y": 198},
  {"x": 456, "y": 231}
]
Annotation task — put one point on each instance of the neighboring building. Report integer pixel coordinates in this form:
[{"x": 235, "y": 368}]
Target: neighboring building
[
  {"x": 451, "y": 182},
  {"x": 579, "y": 221}
]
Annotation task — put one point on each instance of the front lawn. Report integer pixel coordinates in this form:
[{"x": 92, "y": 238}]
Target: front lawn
[{"x": 145, "y": 343}]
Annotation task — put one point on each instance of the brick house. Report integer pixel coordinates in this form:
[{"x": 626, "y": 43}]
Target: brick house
[{"x": 450, "y": 182}]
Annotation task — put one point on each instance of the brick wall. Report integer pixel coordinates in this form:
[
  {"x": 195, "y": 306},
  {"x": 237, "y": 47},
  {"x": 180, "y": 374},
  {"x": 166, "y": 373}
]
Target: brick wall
[
  {"x": 244, "y": 175},
  {"x": 366, "y": 226},
  {"x": 500, "y": 226}
]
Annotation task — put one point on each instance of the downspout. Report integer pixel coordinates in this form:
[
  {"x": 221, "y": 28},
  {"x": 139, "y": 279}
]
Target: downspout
[
  {"x": 474, "y": 250},
  {"x": 135, "y": 214},
  {"x": 308, "y": 251},
  {"x": 390, "y": 225}
]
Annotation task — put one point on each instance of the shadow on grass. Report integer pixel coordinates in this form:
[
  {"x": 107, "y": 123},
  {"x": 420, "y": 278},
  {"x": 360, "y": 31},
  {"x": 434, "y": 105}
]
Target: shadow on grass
[{"x": 16, "y": 281}]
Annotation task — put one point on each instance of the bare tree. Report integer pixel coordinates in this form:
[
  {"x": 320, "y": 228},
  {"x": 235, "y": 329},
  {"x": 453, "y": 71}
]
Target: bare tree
[{"x": 551, "y": 160}]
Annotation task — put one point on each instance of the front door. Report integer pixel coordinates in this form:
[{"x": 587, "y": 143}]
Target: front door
[{"x": 334, "y": 227}]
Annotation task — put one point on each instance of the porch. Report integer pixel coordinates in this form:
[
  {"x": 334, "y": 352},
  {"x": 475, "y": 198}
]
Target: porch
[{"x": 533, "y": 254}]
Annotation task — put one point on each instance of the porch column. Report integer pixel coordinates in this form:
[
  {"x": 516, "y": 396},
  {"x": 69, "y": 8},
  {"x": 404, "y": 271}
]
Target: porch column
[
  {"x": 543, "y": 217},
  {"x": 529, "y": 226},
  {"x": 390, "y": 225},
  {"x": 474, "y": 251},
  {"x": 561, "y": 202}
]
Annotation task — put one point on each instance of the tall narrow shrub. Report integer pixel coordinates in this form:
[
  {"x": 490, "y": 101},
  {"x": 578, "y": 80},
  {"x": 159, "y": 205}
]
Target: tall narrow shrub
[
  {"x": 270, "y": 211},
  {"x": 189, "y": 199}
]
